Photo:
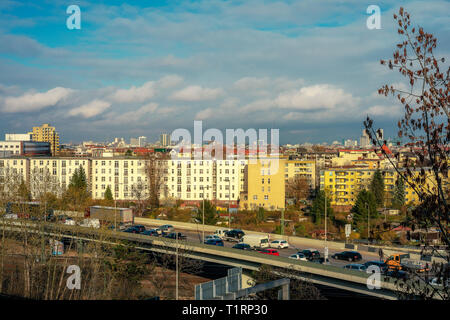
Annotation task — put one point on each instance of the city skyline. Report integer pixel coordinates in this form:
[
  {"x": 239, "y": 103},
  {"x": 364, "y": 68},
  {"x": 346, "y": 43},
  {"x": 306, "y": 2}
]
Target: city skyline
[{"x": 135, "y": 71}]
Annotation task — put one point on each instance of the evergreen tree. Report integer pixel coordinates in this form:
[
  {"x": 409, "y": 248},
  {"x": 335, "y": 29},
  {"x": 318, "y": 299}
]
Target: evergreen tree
[
  {"x": 318, "y": 207},
  {"x": 74, "y": 180},
  {"x": 365, "y": 200},
  {"x": 377, "y": 188},
  {"x": 260, "y": 216},
  {"x": 398, "y": 199},
  {"x": 211, "y": 215},
  {"x": 108, "y": 194}
]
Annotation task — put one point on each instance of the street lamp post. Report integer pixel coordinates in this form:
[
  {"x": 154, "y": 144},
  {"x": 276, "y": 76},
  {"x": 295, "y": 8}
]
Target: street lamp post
[
  {"x": 203, "y": 214},
  {"x": 176, "y": 263},
  {"x": 326, "y": 248},
  {"x": 368, "y": 222}
]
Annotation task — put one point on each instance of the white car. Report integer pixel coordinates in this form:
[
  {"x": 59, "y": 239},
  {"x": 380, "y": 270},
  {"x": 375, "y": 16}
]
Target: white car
[
  {"x": 280, "y": 244},
  {"x": 70, "y": 222},
  {"x": 213, "y": 237},
  {"x": 298, "y": 256},
  {"x": 11, "y": 216}
]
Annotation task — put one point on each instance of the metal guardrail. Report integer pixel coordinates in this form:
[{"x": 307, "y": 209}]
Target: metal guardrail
[{"x": 354, "y": 280}]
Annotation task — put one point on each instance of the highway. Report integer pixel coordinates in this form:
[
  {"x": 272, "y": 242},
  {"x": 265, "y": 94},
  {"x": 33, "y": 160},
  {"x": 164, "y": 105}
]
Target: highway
[{"x": 194, "y": 236}]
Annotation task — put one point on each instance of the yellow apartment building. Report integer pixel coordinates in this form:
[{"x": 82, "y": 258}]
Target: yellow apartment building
[
  {"x": 344, "y": 184},
  {"x": 264, "y": 184},
  {"x": 302, "y": 168},
  {"x": 46, "y": 133}
]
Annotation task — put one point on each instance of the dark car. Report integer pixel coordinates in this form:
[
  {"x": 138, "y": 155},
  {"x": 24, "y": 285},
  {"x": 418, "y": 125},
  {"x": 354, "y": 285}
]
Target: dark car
[
  {"x": 380, "y": 264},
  {"x": 132, "y": 230},
  {"x": 214, "y": 242},
  {"x": 242, "y": 246},
  {"x": 235, "y": 234},
  {"x": 310, "y": 254},
  {"x": 398, "y": 274},
  {"x": 139, "y": 227},
  {"x": 347, "y": 255},
  {"x": 173, "y": 235},
  {"x": 151, "y": 232}
]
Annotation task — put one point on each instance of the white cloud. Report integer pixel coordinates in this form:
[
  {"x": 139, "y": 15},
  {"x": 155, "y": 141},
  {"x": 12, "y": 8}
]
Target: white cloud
[
  {"x": 321, "y": 96},
  {"x": 169, "y": 81},
  {"x": 35, "y": 101},
  {"x": 385, "y": 111},
  {"x": 197, "y": 93},
  {"x": 134, "y": 94},
  {"x": 90, "y": 109},
  {"x": 205, "y": 114}
]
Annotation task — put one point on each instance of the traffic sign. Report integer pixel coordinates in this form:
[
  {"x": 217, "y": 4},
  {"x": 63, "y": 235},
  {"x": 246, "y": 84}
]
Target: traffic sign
[{"x": 348, "y": 230}]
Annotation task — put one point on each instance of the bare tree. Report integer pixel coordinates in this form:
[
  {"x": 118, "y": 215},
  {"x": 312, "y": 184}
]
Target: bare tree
[
  {"x": 425, "y": 125},
  {"x": 298, "y": 188},
  {"x": 155, "y": 171}
]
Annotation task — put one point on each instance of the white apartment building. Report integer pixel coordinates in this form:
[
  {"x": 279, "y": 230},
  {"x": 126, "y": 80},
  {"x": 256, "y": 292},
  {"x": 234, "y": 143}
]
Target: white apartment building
[{"x": 184, "y": 179}]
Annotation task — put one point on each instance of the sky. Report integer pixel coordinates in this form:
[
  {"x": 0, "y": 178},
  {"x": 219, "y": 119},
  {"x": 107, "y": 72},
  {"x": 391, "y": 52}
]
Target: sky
[{"x": 308, "y": 68}]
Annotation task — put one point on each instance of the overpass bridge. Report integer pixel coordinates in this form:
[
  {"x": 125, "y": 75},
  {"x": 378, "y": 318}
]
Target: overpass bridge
[{"x": 326, "y": 275}]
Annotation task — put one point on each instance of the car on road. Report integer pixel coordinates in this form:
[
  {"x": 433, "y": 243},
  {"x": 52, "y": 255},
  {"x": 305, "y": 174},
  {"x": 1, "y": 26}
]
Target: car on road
[
  {"x": 242, "y": 246},
  {"x": 139, "y": 227},
  {"x": 280, "y": 244},
  {"x": 174, "y": 235},
  {"x": 440, "y": 282},
  {"x": 151, "y": 232},
  {"x": 298, "y": 256},
  {"x": 234, "y": 235},
  {"x": 355, "y": 266},
  {"x": 11, "y": 216},
  {"x": 347, "y": 255},
  {"x": 214, "y": 242},
  {"x": 380, "y": 264},
  {"x": 272, "y": 252},
  {"x": 166, "y": 228},
  {"x": 132, "y": 230},
  {"x": 398, "y": 274},
  {"x": 310, "y": 254},
  {"x": 212, "y": 236}
]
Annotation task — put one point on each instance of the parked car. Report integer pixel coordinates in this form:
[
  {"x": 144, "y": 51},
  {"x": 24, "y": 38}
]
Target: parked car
[
  {"x": 70, "y": 222},
  {"x": 280, "y": 244},
  {"x": 139, "y": 227},
  {"x": 174, "y": 235},
  {"x": 214, "y": 242},
  {"x": 347, "y": 255},
  {"x": 380, "y": 264},
  {"x": 151, "y": 232},
  {"x": 298, "y": 256},
  {"x": 242, "y": 246},
  {"x": 355, "y": 266},
  {"x": 272, "y": 252},
  {"x": 166, "y": 228},
  {"x": 310, "y": 254}
]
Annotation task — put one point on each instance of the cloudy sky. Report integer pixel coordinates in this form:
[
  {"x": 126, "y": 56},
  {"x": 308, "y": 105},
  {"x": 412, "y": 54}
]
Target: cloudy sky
[{"x": 308, "y": 67}]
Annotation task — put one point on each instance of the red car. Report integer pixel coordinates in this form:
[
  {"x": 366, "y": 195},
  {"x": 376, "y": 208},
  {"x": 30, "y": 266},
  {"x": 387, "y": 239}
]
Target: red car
[{"x": 272, "y": 252}]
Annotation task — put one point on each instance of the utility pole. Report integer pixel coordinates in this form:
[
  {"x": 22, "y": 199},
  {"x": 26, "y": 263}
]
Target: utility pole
[
  {"x": 176, "y": 264},
  {"x": 282, "y": 221},
  {"x": 325, "y": 253},
  {"x": 368, "y": 222},
  {"x": 203, "y": 213},
  {"x": 229, "y": 198}
]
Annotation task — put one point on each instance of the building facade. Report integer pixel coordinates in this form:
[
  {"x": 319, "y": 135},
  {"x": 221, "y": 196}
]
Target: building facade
[{"x": 46, "y": 133}]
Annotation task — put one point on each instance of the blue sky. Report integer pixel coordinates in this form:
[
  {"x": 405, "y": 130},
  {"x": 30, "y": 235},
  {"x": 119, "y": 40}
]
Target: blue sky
[{"x": 310, "y": 68}]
